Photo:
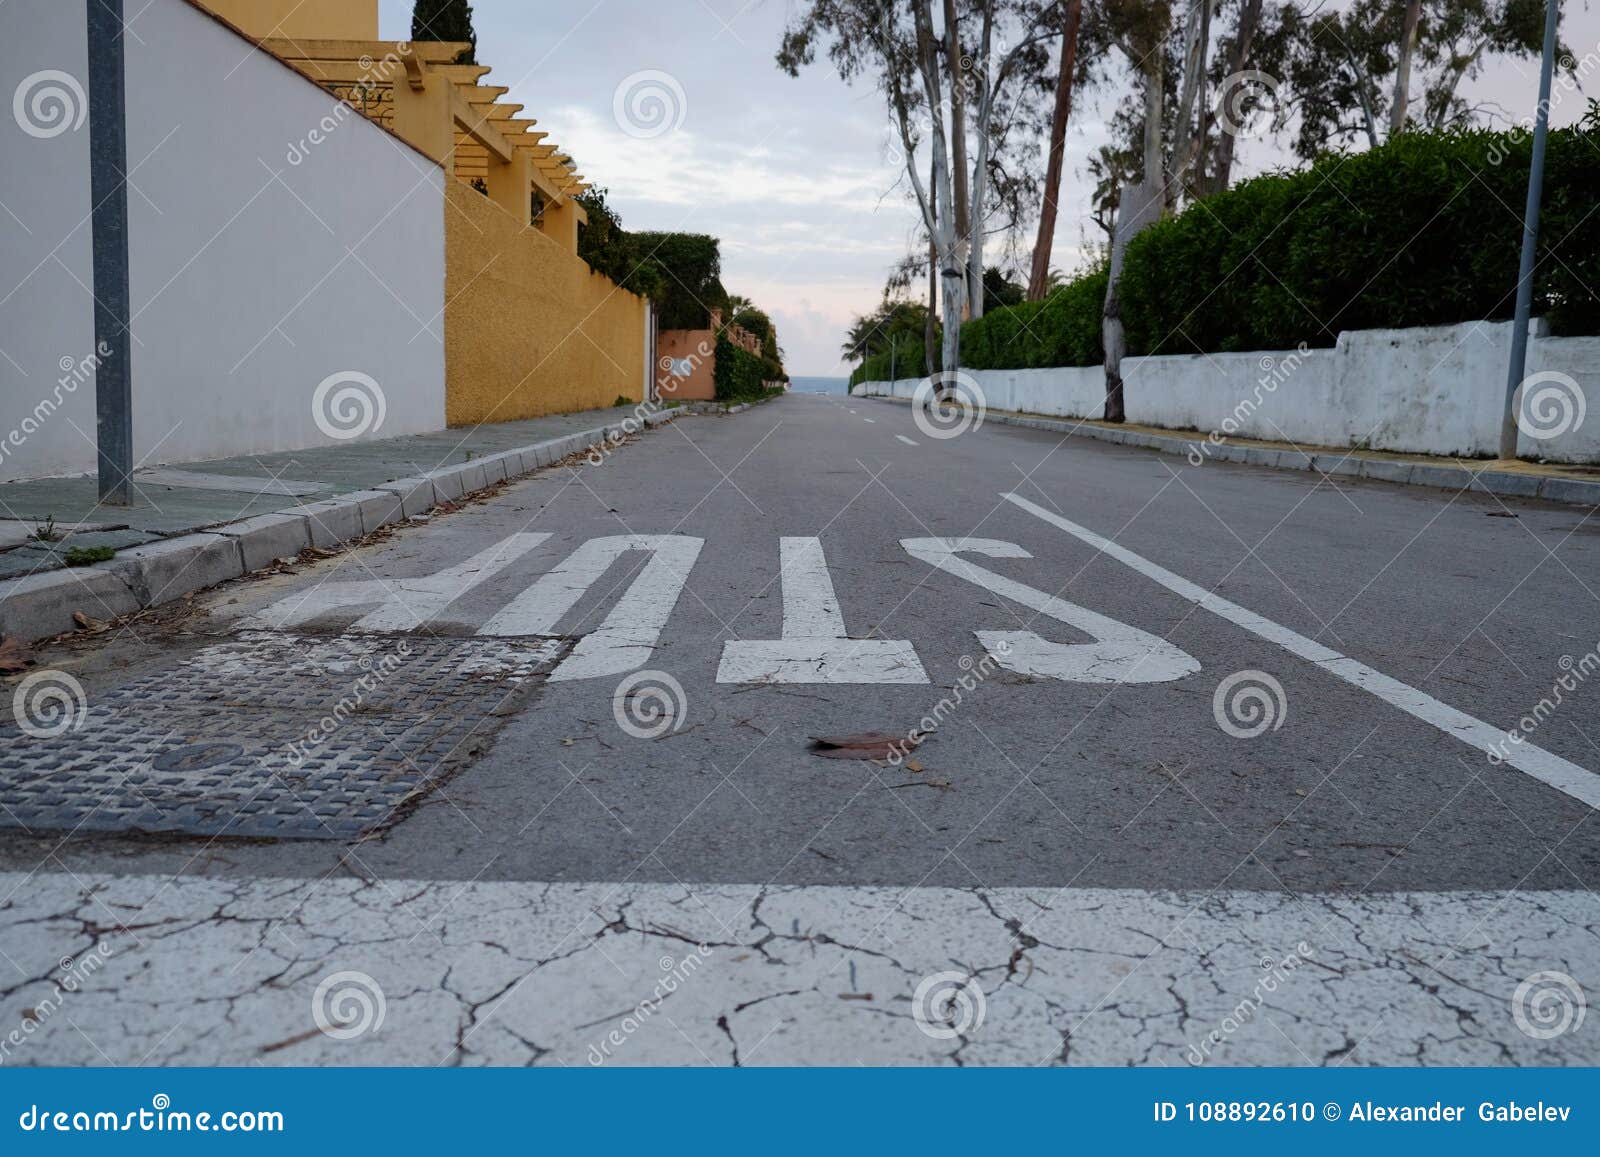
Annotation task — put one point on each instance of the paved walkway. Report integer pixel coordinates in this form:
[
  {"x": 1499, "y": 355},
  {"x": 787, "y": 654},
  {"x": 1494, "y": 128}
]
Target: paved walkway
[{"x": 162, "y": 508}]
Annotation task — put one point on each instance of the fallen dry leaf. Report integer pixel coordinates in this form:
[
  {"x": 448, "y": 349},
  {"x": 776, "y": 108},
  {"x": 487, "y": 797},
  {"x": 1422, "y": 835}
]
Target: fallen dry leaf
[
  {"x": 14, "y": 656},
  {"x": 868, "y": 745}
]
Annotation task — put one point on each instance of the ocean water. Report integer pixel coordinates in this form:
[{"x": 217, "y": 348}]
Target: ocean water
[{"x": 819, "y": 385}]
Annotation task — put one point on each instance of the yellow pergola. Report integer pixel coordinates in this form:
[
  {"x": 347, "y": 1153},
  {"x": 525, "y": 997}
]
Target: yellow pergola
[{"x": 414, "y": 89}]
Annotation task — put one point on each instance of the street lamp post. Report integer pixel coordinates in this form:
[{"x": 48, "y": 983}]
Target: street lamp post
[
  {"x": 1517, "y": 370},
  {"x": 108, "y": 193}
]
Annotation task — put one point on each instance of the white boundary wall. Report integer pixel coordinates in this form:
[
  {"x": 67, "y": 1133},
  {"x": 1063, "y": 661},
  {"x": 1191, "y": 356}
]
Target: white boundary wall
[
  {"x": 253, "y": 278},
  {"x": 1431, "y": 390}
]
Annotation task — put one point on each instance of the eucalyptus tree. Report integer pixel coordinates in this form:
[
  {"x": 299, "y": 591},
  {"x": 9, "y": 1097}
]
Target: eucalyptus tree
[{"x": 955, "y": 85}]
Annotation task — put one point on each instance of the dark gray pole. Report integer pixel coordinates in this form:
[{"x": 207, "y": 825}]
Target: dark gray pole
[
  {"x": 1530, "y": 239},
  {"x": 108, "y": 191}
]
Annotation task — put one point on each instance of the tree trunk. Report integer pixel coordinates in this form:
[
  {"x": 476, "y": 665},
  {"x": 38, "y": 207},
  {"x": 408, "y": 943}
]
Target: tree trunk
[
  {"x": 941, "y": 221},
  {"x": 1137, "y": 207},
  {"x": 1154, "y": 82},
  {"x": 958, "y": 118},
  {"x": 1196, "y": 32},
  {"x": 929, "y": 329},
  {"x": 1402, "y": 74},
  {"x": 1249, "y": 21},
  {"x": 1039, "y": 277},
  {"x": 978, "y": 191}
]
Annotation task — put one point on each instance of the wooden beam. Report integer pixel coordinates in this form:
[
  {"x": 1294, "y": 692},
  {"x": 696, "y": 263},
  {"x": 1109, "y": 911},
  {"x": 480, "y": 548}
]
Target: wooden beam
[
  {"x": 480, "y": 128},
  {"x": 461, "y": 73},
  {"x": 433, "y": 52}
]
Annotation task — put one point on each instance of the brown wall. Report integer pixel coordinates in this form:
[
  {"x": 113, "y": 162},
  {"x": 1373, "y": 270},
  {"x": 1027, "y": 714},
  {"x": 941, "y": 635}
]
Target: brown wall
[
  {"x": 694, "y": 349},
  {"x": 529, "y": 328}
]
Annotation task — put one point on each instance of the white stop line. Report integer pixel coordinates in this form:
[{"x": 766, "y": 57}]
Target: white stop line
[{"x": 1544, "y": 766}]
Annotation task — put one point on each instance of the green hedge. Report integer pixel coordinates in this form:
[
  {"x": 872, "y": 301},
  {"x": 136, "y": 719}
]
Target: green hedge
[
  {"x": 739, "y": 374},
  {"x": 908, "y": 362},
  {"x": 1062, "y": 330},
  {"x": 1425, "y": 230}
]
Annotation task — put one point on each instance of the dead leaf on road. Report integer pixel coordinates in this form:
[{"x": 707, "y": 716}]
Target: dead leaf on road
[
  {"x": 868, "y": 745},
  {"x": 14, "y": 656}
]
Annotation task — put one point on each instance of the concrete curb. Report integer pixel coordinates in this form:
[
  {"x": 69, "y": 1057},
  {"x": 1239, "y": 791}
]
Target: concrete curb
[
  {"x": 42, "y": 605},
  {"x": 1499, "y": 482}
]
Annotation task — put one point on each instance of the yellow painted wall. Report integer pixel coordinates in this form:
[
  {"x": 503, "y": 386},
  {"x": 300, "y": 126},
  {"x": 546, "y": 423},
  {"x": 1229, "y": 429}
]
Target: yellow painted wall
[
  {"x": 529, "y": 328},
  {"x": 301, "y": 19}
]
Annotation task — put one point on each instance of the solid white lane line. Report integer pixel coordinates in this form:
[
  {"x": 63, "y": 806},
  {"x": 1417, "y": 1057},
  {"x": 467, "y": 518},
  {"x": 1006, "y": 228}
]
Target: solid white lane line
[
  {"x": 906, "y": 440},
  {"x": 1544, "y": 766}
]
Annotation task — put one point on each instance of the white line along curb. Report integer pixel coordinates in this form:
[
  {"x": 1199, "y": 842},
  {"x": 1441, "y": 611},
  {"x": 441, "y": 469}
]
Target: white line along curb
[{"x": 1544, "y": 766}]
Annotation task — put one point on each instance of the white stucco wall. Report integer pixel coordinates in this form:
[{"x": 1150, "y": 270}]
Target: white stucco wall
[
  {"x": 1433, "y": 390},
  {"x": 253, "y": 279}
]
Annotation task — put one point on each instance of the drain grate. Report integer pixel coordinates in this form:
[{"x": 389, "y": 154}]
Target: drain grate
[{"x": 271, "y": 734}]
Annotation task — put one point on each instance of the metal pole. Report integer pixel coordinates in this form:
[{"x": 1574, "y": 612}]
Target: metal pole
[
  {"x": 108, "y": 191},
  {"x": 1517, "y": 370},
  {"x": 892, "y": 376}
]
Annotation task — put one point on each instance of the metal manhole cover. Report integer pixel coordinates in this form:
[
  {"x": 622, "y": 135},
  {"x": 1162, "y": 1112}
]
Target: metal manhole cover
[{"x": 271, "y": 735}]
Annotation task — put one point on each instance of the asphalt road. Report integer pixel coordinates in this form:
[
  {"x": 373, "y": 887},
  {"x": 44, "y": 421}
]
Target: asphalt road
[{"x": 1093, "y": 756}]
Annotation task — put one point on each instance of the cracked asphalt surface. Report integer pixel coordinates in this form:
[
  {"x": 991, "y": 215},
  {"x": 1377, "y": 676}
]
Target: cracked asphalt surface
[{"x": 1105, "y": 864}]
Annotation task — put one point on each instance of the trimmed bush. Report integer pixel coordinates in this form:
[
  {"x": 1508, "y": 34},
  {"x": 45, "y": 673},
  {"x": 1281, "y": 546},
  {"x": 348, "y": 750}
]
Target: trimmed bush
[
  {"x": 739, "y": 374},
  {"x": 1425, "y": 230},
  {"x": 908, "y": 362},
  {"x": 1062, "y": 330}
]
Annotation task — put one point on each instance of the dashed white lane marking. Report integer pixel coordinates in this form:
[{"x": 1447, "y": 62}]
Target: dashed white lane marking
[
  {"x": 874, "y": 421},
  {"x": 814, "y": 647},
  {"x": 473, "y": 971},
  {"x": 907, "y": 441},
  {"x": 1544, "y": 766},
  {"x": 1118, "y": 654}
]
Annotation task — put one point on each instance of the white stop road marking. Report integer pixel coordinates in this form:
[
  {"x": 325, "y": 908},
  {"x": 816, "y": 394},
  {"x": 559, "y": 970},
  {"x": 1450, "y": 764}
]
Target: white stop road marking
[
  {"x": 814, "y": 647},
  {"x": 1118, "y": 654}
]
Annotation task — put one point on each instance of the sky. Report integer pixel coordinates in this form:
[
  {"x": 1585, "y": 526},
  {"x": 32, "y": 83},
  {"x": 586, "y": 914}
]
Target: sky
[{"x": 796, "y": 176}]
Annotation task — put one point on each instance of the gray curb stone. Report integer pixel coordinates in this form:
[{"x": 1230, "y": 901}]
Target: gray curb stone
[
  {"x": 41, "y": 605},
  {"x": 417, "y": 495},
  {"x": 335, "y": 521},
  {"x": 162, "y": 571},
  {"x": 267, "y": 537}
]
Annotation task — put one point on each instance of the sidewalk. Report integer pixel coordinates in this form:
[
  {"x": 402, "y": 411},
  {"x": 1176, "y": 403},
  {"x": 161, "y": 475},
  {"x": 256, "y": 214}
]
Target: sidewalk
[
  {"x": 201, "y": 523},
  {"x": 1510, "y": 479}
]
